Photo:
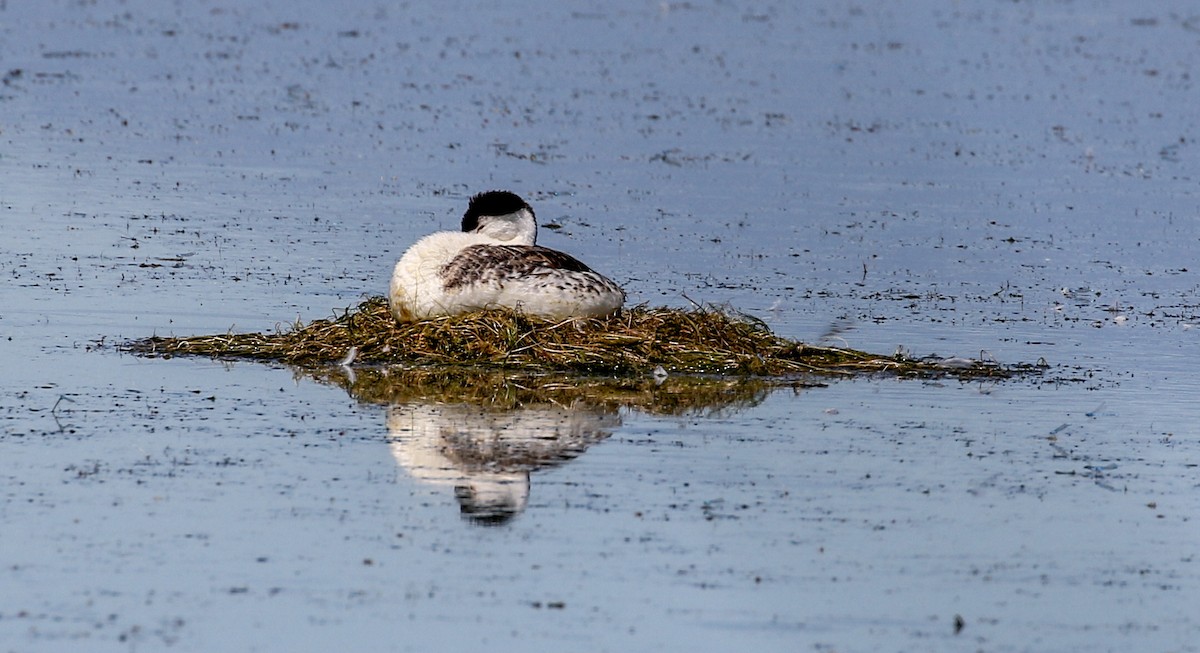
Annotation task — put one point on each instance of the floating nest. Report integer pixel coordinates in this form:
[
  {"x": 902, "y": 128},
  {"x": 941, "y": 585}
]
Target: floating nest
[{"x": 639, "y": 340}]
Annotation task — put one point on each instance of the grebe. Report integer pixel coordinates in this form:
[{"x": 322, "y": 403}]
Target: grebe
[{"x": 495, "y": 262}]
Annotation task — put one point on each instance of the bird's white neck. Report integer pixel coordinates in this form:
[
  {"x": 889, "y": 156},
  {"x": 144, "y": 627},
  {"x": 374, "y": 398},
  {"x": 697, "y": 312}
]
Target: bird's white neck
[{"x": 516, "y": 228}]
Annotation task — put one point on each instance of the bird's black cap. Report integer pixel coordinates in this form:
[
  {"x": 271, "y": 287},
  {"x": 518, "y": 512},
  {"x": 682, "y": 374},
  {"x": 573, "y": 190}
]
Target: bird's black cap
[{"x": 493, "y": 202}]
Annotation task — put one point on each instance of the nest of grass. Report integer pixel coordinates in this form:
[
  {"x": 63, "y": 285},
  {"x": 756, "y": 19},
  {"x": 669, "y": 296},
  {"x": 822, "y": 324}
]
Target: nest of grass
[{"x": 637, "y": 341}]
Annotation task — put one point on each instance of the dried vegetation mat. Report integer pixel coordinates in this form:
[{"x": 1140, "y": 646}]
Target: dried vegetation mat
[{"x": 637, "y": 341}]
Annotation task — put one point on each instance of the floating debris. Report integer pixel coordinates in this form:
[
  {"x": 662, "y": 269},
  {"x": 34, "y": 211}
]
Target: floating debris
[
  {"x": 957, "y": 363},
  {"x": 700, "y": 340}
]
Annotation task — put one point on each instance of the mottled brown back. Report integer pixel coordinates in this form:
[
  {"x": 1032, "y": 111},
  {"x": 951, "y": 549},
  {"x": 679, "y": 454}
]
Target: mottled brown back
[{"x": 494, "y": 263}]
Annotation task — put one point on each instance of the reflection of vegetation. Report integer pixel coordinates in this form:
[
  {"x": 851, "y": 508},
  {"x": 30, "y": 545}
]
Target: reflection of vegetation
[
  {"x": 507, "y": 390},
  {"x": 705, "y": 341}
]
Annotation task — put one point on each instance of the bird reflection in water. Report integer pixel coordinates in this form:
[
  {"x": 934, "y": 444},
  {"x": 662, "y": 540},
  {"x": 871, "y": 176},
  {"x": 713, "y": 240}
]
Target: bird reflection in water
[
  {"x": 483, "y": 433},
  {"x": 487, "y": 454}
]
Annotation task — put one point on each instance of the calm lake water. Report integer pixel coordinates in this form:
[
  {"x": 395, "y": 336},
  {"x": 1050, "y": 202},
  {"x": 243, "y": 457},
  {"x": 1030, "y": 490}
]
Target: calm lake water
[{"x": 980, "y": 179}]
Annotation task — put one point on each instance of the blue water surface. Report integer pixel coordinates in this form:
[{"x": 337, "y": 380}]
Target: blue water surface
[{"x": 1007, "y": 181}]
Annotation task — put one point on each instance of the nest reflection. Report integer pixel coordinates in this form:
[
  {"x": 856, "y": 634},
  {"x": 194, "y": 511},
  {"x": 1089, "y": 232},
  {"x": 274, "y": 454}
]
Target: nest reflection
[{"x": 484, "y": 432}]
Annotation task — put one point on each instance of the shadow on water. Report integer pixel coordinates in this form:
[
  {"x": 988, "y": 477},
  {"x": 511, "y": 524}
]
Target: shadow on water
[{"x": 483, "y": 433}]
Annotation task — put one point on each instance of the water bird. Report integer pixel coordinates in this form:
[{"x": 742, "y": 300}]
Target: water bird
[{"x": 495, "y": 262}]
